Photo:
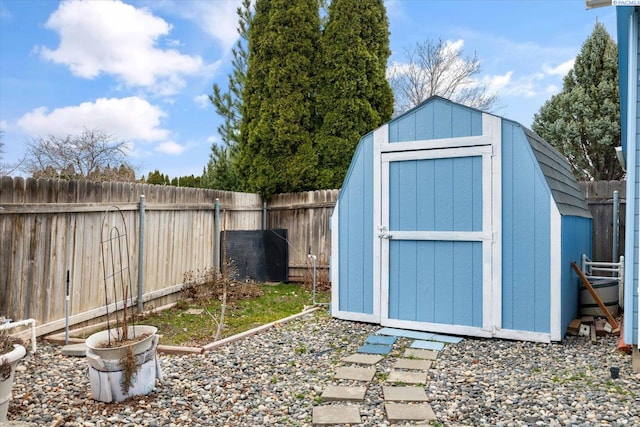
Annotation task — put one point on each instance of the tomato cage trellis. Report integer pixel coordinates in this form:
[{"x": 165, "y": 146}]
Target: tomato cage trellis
[{"x": 114, "y": 249}]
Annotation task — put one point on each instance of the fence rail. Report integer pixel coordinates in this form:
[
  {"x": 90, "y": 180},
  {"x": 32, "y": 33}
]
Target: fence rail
[{"x": 49, "y": 227}]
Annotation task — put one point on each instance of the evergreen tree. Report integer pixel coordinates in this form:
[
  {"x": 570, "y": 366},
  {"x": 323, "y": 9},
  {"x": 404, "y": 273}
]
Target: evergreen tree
[
  {"x": 583, "y": 120},
  {"x": 276, "y": 152},
  {"x": 354, "y": 96},
  {"x": 220, "y": 172},
  {"x": 157, "y": 178}
]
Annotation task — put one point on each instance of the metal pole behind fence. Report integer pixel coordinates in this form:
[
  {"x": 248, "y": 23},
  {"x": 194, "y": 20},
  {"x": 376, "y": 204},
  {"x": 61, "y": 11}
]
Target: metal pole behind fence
[
  {"x": 141, "y": 253},
  {"x": 216, "y": 233},
  {"x": 616, "y": 209},
  {"x": 264, "y": 215},
  {"x": 66, "y": 303}
]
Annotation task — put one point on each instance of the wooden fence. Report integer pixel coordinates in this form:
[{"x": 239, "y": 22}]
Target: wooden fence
[
  {"x": 599, "y": 195},
  {"x": 49, "y": 227}
]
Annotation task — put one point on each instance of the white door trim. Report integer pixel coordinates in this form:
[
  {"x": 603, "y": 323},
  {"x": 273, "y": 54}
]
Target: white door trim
[{"x": 488, "y": 146}]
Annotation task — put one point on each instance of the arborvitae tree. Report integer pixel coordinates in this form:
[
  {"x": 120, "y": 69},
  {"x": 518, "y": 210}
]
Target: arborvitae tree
[
  {"x": 157, "y": 178},
  {"x": 220, "y": 172},
  {"x": 276, "y": 151},
  {"x": 354, "y": 96},
  {"x": 583, "y": 120}
]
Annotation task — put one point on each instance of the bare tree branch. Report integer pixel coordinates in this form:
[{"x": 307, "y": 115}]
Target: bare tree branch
[
  {"x": 7, "y": 169},
  {"x": 86, "y": 155},
  {"x": 439, "y": 68}
]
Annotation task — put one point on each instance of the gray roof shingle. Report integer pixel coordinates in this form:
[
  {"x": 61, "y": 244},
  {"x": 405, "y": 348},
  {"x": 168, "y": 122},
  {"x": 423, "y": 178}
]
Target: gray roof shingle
[{"x": 556, "y": 169}]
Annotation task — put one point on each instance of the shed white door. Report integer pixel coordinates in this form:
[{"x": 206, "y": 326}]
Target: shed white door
[{"x": 436, "y": 240}]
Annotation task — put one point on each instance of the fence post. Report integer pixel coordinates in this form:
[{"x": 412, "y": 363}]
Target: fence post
[
  {"x": 216, "y": 233},
  {"x": 264, "y": 215},
  {"x": 616, "y": 209},
  {"x": 141, "y": 253}
]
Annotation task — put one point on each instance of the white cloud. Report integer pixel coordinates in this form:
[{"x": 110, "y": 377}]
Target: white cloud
[
  {"x": 559, "y": 70},
  {"x": 4, "y": 125},
  {"x": 202, "y": 101},
  {"x": 116, "y": 38},
  {"x": 497, "y": 83},
  {"x": 131, "y": 118},
  {"x": 212, "y": 139},
  {"x": 216, "y": 18},
  {"x": 170, "y": 147}
]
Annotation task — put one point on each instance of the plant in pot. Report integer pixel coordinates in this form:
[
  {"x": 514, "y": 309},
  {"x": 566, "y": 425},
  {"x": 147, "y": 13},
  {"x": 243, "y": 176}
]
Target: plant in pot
[
  {"x": 122, "y": 359},
  {"x": 12, "y": 351}
]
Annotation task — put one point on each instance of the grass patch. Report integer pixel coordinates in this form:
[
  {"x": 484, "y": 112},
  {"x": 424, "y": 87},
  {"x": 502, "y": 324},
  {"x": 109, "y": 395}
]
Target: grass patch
[{"x": 177, "y": 327}]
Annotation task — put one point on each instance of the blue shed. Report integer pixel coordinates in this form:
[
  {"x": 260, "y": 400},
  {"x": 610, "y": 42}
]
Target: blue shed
[
  {"x": 457, "y": 221},
  {"x": 629, "y": 73}
]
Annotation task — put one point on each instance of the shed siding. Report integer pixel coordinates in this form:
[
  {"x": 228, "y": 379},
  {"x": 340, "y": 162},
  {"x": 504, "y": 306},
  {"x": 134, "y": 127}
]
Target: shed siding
[
  {"x": 525, "y": 235},
  {"x": 434, "y": 119},
  {"x": 636, "y": 211},
  {"x": 576, "y": 241},
  {"x": 441, "y": 282},
  {"x": 356, "y": 233},
  {"x": 630, "y": 132},
  {"x": 436, "y": 194},
  {"x": 628, "y": 22}
]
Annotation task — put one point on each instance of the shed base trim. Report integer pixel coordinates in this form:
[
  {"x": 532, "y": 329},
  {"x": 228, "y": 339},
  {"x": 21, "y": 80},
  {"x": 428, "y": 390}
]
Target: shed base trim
[
  {"x": 357, "y": 317},
  {"x": 471, "y": 331}
]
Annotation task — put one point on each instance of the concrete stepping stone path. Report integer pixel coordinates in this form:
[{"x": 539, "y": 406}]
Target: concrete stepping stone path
[
  {"x": 413, "y": 364},
  {"x": 407, "y": 377},
  {"x": 380, "y": 340},
  {"x": 354, "y": 373},
  {"x": 404, "y": 394},
  {"x": 363, "y": 359},
  {"x": 336, "y": 414},
  {"x": 397, "y": 412},
  {"x": 375, "y": 349},
  {"x": 336, "y": 392},
  {"x": 403, "y": 403},
  {"x": 420, "y": 354},
  {"x": 427, "y": 345}
]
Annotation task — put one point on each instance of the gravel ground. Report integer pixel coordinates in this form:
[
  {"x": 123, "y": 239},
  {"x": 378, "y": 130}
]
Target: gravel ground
[{"x": 275, "y": 378}]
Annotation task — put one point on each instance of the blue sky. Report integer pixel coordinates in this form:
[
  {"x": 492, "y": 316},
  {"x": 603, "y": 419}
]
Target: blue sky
[{"x": 142, "y": 70}]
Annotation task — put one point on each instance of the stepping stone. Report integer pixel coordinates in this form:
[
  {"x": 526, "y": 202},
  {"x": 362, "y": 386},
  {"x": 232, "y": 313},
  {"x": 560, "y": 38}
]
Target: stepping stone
[
  {"x": 420, "y": 354},
  {"x": 352, "y": 373},
  {"x": 375, "y": 349},
  {"x": 75, "y": 350},
  {"x": 427, "y": 345},
  {"x": 363, "y": 359},
  {"x": 338, "y": 414},
  {"x": 446, "y": 339},
  {"x": 416, "y": 335},
  {"x": 336, "y": 392},
  {"x": 404, "y": 394},
  {"x": 409, "y": 412},
  {"x": 380, "y": 340},
  {"x": 413, "y": 364},
  {"x": 407, "y": 377}
]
